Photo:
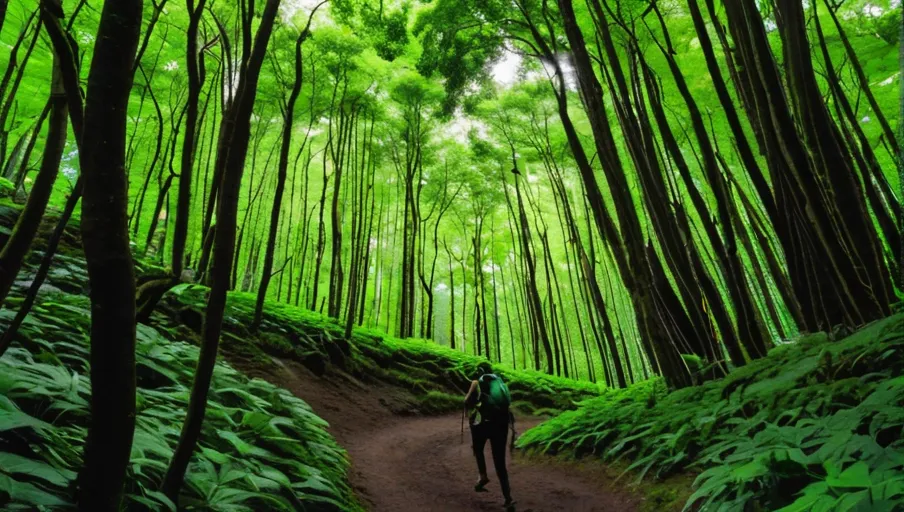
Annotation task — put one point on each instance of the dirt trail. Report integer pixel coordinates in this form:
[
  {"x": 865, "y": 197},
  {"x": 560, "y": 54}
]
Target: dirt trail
[{"x": 413, "y": 463}]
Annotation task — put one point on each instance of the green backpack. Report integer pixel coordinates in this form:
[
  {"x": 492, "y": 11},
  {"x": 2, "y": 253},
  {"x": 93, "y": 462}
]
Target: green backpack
[{"x": 495, "y": 398}]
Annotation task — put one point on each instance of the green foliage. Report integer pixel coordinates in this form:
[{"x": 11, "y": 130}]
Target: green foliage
[
  {"x": 7, "y": 188},
  {"x": 261, "y": 447},
  {"x": 813, "y": 426},
  {"x": 437, "y": 376},
  {"x": 888, "y": 26}
]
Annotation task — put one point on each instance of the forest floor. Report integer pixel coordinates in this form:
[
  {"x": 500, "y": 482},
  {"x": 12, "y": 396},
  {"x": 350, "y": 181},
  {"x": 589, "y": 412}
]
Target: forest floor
[{"x": 405, "y": 462}]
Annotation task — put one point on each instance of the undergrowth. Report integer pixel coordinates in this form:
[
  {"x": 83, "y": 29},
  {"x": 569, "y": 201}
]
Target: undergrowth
[
  {"x": 814, "y": 426},
  {"x": 261, "y": 447}
]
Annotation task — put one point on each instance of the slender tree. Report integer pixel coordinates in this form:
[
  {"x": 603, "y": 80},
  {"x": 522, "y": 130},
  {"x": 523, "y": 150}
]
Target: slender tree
[
  {"x": 28, "y": 222},
  {"x": 282, "y": 171},
  {"x": 111, "y": 275},
  {"x": 232, "y": 163}
]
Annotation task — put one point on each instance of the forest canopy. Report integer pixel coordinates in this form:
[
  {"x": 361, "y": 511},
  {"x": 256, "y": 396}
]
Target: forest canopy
[{"x": 459, "y": 171}]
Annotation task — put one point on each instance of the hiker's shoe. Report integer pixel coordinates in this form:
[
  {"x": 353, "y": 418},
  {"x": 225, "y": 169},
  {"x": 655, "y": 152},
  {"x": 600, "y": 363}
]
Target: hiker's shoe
[
  {"x": 481, "y": 485},
  {"x": 509, "y": 505}
]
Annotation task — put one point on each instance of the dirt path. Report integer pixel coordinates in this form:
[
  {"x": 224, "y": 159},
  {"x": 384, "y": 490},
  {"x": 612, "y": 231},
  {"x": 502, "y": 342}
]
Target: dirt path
[{"x": 414, "y": 463}]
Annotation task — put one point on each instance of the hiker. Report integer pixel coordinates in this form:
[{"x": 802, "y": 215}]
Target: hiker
[{"x": 488, "y": 400}]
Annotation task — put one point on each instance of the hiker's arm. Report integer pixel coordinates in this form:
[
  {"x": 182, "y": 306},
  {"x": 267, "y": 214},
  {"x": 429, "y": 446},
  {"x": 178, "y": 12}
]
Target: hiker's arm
[{"x": 471, "y": 397}]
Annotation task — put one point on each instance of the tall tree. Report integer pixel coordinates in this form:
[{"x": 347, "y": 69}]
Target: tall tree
[
  {"x": 28, "y": 222},
  {"x": 231, "y": 160},
  {"x": 111, "y": 275},
  {"x": 282, "y": 171}
]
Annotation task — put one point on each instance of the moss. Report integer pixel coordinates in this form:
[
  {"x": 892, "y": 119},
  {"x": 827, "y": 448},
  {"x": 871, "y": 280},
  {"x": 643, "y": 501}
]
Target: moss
[{"x": 430, "y": 371}]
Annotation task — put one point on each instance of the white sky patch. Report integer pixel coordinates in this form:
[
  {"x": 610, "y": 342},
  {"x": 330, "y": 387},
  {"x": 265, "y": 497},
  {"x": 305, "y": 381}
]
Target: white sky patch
[
  {"x": 505, "y": 70},
  {"x": 289, "y": 9},
  {"x": 890, "y": 80},
  {"x": 873, "y": 11},
  {"x": 460, "y": 125},
  {"x": 571, "y": 77},
  {"x": 490, "y": 268}
]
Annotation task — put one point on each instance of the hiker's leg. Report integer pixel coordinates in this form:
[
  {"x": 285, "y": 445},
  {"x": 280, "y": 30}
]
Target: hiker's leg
[
  {"x": 498, "y": 442},
  {"x": 478, "y": 442}
]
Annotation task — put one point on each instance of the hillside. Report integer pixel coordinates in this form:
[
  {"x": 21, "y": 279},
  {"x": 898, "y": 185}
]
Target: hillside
[
  {"x": 254, "y": 252},
  {"x": 262, "y": 448}
]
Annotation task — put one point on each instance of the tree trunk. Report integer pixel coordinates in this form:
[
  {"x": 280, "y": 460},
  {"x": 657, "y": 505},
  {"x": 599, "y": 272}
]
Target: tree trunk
[
  {"x": 195, "y": 82},
  {"x": 862, "y": 79},
  {"x": 634, "y": 265},
  {"x": 3, "y": 7},
  {"x": 105, "y": 237},
  {"x": 11, "y": 98},
  {"x": 64, "y": 47},
  {"x": 232, "y": 167},
  {"x": 282, "y": 172},
  {"x": 29, "y": 220}
]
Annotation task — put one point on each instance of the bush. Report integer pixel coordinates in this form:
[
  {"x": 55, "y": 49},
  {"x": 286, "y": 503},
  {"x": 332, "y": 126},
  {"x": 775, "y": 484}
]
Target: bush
[
  {"x": 816, "y": 424},
  {"x": 261, "y": 447}
]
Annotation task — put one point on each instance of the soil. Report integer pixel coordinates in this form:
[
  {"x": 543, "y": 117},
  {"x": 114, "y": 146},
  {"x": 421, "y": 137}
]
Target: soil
[{"x": 405, "y": 462}]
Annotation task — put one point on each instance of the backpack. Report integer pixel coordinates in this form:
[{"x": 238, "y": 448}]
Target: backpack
[{"x": 495, "y": 398}]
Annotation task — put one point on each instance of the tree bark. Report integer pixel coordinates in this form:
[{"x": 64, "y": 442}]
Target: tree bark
[
  {"x": 29, "y": 220},
  {"x": 282, "y": 173},
  {"x": 232, "y": 168},
  {"x": 195, "y": 82},
  {"x": 105, "y": 237}
]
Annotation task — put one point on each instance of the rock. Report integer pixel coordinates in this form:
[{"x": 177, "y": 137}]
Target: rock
[{"x": 315, "y": 362}]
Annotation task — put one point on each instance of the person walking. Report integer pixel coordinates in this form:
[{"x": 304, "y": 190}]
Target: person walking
[{"x": 488, "y": 401}]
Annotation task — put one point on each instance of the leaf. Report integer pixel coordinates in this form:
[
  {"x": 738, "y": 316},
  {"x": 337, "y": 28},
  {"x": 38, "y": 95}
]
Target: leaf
[
  {"x": 809, "y": 503},
  {"x": 215, "y": 456},
  {"x": 24, "y": 492},
  {"x": 14, "y": 464},
  {"x": 850, "y": 501},
  {"x": 749, "y": 471},
  {"x": 11, "y": 419},
  {"x": 856, "y": 476}
]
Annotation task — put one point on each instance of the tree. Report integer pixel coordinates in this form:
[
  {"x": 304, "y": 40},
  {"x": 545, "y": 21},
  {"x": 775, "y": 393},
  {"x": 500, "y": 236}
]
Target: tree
[
  {"x": 19, "y": 242},
  {"x": 288, "y": 119},
  {"x": 231, "y": 162},
  {"x": 105, "y": 237}
]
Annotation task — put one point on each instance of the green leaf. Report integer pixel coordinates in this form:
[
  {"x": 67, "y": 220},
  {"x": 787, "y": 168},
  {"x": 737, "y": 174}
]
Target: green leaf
[
  {"x": 17, "y": 465},
  {"x": 856, "y": 476},
  {"x": 23, "y": 492}
]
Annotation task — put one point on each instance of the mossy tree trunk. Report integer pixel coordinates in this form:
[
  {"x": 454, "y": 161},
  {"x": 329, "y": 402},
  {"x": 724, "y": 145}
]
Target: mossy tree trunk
[{"x": 832, "y": 249}]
